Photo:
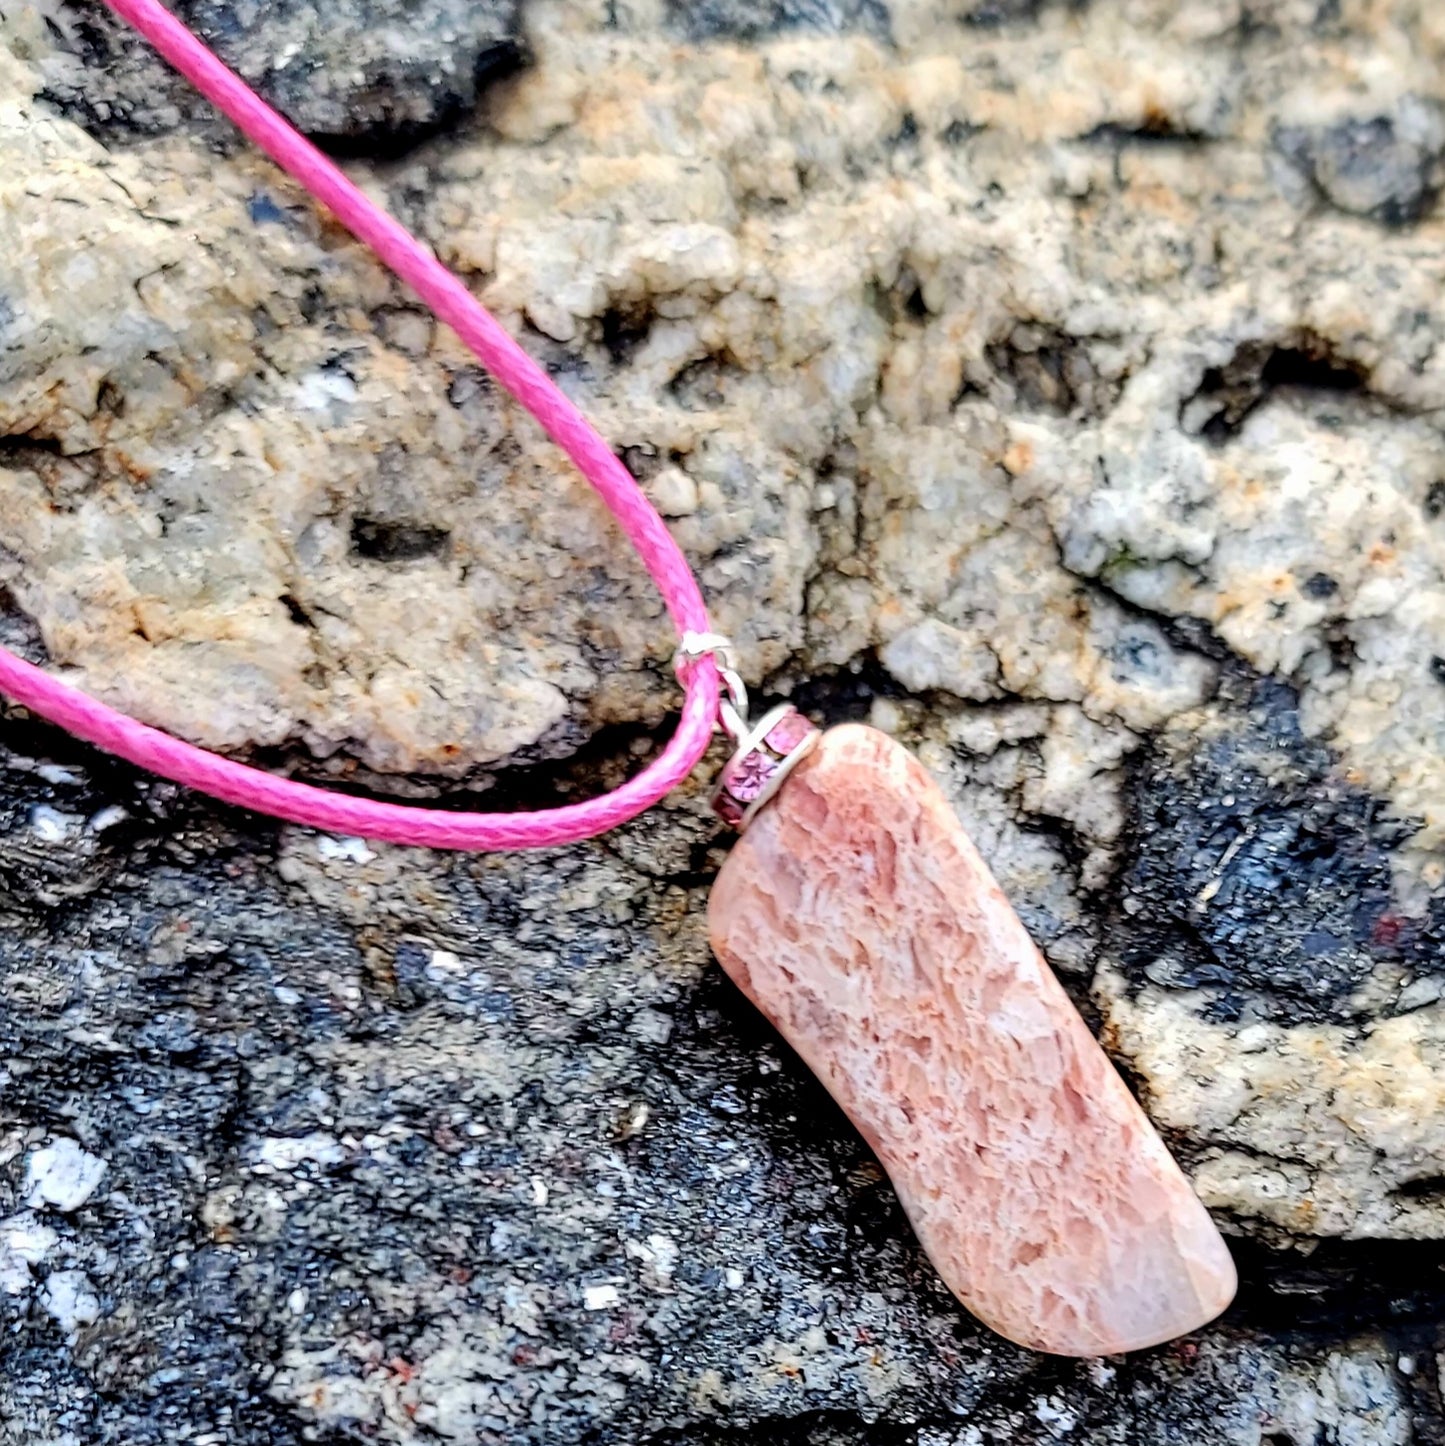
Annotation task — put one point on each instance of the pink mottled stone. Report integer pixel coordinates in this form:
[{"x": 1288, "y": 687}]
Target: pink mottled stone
[{"x": 858, "y": 916}]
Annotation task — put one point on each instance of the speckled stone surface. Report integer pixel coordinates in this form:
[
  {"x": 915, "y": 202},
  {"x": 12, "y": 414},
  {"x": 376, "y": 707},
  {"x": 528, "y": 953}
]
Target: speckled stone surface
[{"x": 858, "y": 916}]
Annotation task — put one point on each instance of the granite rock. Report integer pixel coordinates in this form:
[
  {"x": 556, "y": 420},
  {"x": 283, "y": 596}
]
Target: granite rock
[{"x": 1056, "y": 387}]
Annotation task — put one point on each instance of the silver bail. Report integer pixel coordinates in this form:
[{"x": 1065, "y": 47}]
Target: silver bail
[{"x": 733, "y": 708}]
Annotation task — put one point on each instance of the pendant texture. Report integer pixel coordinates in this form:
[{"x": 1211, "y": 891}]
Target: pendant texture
[{"x": 858, "y": 916}]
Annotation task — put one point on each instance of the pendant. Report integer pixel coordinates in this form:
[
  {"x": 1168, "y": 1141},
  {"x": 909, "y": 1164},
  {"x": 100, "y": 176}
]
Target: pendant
[{"x": 857, "y": 915}]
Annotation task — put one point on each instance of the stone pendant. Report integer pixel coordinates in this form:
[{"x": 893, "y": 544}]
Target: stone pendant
[{"x": 856, "y": 914}]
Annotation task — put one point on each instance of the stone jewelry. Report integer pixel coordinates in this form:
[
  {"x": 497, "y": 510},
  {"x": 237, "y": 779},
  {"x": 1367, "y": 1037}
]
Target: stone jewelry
[
  {"x": 857, "y": 915},
  {"x": 854, "y": 910}
]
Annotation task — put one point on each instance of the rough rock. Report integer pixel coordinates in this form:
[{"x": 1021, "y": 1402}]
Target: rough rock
[
  {"x": 357, "y": 76},
  {"x": 1059, "y": 388},
  {"x": 406, "y": 1147}
]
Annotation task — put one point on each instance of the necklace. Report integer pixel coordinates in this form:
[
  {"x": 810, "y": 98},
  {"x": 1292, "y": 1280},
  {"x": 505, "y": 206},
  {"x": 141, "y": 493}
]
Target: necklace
[{"x": 854, "y": 910}]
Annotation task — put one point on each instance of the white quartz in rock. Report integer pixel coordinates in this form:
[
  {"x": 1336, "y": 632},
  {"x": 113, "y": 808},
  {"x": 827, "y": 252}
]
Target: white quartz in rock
[
  {"x": 62, "y": 1175},
  {"x": 70, "y": 1299},
  {"x": 24, "y": 1242}
]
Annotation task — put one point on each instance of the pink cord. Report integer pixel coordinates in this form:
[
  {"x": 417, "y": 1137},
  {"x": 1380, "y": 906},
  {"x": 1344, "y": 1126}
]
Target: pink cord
[{"x": 519, "y": 374}]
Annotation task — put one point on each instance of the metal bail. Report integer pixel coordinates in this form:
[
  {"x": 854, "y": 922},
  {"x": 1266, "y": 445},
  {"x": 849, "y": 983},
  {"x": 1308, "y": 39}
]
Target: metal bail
[
  {"x": 733, "y": 709},
  {"x": 765, "y": 756}
]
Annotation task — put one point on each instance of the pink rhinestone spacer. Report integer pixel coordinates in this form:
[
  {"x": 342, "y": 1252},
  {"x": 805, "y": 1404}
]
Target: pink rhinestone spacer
[
  {"x": 749, "y": 776},
  {"x": 789, "y": 732},
  {"x": 764, "y": 758}
]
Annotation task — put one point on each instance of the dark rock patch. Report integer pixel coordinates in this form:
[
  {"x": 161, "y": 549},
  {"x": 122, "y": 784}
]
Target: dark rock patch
[
  {"x": 18, "y": 631},
  {"x": 1255, "y": 871},
  {"x": 360, "y": 77},
  {"x": 1385, "y": 167},
  {"x": 393, "y": 540},
  {"x": 751, "y": 19},
  {"x": 1303, "y": 363},
  {"x": 1039, "y": 368},
  {"x": 990, "y": 14}
]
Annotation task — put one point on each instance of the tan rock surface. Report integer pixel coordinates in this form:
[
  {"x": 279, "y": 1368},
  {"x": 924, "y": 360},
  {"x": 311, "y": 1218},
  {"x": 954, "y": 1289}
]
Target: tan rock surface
[{"x": 891, "y": 370}]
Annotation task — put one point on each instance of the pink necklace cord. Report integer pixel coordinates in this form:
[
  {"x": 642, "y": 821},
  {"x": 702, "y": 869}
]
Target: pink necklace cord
[{"x": 452, "y": 303}]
